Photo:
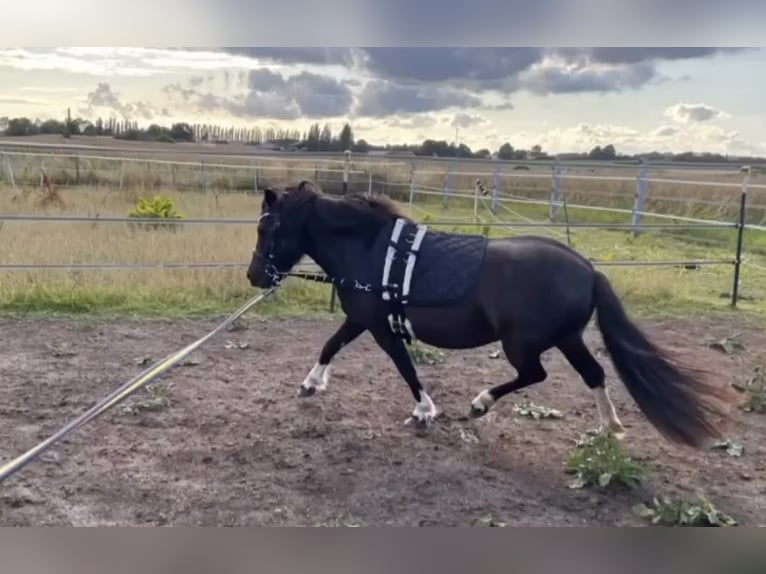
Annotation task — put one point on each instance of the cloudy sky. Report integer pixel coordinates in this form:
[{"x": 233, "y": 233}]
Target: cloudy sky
[{"x": 565, "y": 99}]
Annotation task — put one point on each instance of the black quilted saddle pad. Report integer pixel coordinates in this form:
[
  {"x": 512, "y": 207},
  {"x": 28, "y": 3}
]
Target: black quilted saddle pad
[{"x": 446, "y": 270}]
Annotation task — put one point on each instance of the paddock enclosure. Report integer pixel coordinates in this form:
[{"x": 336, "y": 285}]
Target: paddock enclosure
[
  {"x": 88, "y": 299},
  {"x": 236, "y": 446}
]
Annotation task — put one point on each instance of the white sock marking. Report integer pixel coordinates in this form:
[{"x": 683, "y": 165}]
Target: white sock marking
[
  {"x": 606, "y": 412},
  {"x": 483, "y": 401},
  {"x": 425, "y": 410},
  {"x": 318, "y": 377}
]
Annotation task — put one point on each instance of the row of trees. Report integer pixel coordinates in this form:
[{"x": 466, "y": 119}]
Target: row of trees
[{"x": 316, "y": 138}]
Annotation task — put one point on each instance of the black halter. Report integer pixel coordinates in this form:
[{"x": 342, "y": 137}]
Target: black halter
[{"x": 270, "y": 268}]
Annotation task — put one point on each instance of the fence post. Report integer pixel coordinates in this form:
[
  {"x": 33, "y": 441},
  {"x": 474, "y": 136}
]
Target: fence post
[
  {"x": 476, "y": 190},
  {"x": 555, "y": 189},
  {"x": 413, "y": 174},
  {"x": 642, "y": 190},
  {"x": 332, "y": 299},
  {"x": 369, "y": 183},
  {"x": 172, "y": 176},
  {"x": 496, "y": 189},
  {"x": 77, "y": 168},
  {"x": 255, "y": 180},
  {"x": 203, "y": 178},
  {"x": 740, "y": 238},
  {"x": 122, "y": 173},
  {"x": 10, "y": 172},
  {"x": 566, "y": 221},
  {"x": 346, "y": 165},
  {"x": 448, "y": 185}
]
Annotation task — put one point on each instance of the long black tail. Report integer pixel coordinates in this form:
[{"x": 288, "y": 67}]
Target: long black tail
[{"x": 679, "y": 404}]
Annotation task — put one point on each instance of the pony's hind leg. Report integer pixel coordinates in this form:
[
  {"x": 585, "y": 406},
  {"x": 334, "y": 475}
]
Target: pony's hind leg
[
  {"x": 578, "y": 355},
  {"x": 319, "y": 376},
  {"x": 530, "y": 371}
]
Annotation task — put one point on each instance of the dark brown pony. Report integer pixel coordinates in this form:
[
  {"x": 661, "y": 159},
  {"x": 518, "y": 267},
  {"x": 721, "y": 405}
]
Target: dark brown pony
[{"x": 532, "y": 294}]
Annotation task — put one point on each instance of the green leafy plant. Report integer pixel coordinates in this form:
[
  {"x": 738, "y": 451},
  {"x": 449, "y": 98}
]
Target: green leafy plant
[
  {"x": 733, "y": 448},
  {"x": 755, "y": 392},
  {"x": 664, "y": 511},
  {"x": 425, "y": 355},
  {"x": 531, "y": 410},
  {"x": 156, "y": 398},
  {"x": 488, "y": 521},
  {"x": 157, "y": 207},
  {"x": 728, "y": 345},
  {"x": 598, "y": 461}
]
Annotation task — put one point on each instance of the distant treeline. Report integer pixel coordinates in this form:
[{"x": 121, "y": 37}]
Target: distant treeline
[{"x": 318, "y": 139}]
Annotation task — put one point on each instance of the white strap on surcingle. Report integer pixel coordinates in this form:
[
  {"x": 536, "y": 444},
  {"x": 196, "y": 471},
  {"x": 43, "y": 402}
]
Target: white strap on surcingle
[
  {"x": 419, "y": 235},
  {"x": 390, "y": 253}
]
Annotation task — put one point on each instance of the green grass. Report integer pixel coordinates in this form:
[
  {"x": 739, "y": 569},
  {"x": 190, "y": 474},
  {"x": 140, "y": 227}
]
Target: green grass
[
  {"x": 667, "y": 511},
  {"x": 294, "y": 298}
]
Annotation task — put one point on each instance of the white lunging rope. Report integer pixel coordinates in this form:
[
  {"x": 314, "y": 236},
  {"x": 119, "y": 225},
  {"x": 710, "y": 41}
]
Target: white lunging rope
[{"x": 124, "y": 391}]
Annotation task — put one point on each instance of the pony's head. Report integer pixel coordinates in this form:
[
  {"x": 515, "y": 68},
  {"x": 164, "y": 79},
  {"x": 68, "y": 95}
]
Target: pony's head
[
  {"x": 281, "y": 227},
  {"x": 296, "y": 220}
]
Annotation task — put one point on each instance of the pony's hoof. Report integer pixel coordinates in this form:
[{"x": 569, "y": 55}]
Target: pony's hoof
[
  {"x": 615, "y": 429},
  {"x": 481, "y": 404},
  {"x": 419, "y": 423},
  {"x": 307, "y": 391},
  {"x": 618, "y": 432}
]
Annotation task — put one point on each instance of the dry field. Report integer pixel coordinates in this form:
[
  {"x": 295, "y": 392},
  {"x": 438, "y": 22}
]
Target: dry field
[
  {"x": 182, "y": 291},
  {"x": 132, "y": 165}
]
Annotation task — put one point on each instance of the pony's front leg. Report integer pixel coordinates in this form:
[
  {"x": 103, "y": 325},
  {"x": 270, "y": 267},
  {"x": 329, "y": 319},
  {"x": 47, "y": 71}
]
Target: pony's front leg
[
  {"x": 319, "y": 376},
  {"x": 425, "y": 410}
]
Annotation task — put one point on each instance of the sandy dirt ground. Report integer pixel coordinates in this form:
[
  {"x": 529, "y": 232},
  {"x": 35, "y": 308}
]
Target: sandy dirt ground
[{"x": 236, "y": 446}]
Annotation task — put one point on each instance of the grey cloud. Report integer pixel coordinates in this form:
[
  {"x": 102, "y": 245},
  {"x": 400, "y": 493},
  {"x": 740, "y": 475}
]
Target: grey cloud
[
  {"x": 177, "y": 88},
  {"x": 665, "y": 131},
  {"x": 418, "y": 121},
  {"x": 556, "y": 79},
  {"x": 502, "y": 106},
  {"x": 463, "y": 120},
  {"x": 264, "y": 104},
  {"x": 492, "y": 68},
  {"x": 445, "y": 64},
  {"x": 297, "y": 55},
  {"x": 320, "y": 96},
  {"x": 381, "y": 98},
  {"x": 103, "y": 96},
  {"x": 264, "y": 80},
  {"x": 693, "y": 112},
  {"x": 306, "y": 94},
  {"x": 630, "y": 55},
  {"x": 271, "y": 95}
]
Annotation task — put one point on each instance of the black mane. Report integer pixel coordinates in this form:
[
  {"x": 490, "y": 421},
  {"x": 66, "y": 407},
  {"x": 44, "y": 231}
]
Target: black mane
[{"x": 355, "y": 213}]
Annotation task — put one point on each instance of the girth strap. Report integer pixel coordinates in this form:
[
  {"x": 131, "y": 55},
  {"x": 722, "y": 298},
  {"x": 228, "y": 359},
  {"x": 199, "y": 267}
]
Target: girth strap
[{"x": 401, "y": 257}]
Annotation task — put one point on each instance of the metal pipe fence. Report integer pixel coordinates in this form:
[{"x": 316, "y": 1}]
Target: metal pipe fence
[
  {"x": 736, "y": 261},
  {"x": 376, "y": 173}
]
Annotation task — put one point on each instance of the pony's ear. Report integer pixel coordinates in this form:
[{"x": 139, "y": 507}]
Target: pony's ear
[
  {"x": 310, "y": 185},
  {"x": 270, "y": 196}
]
